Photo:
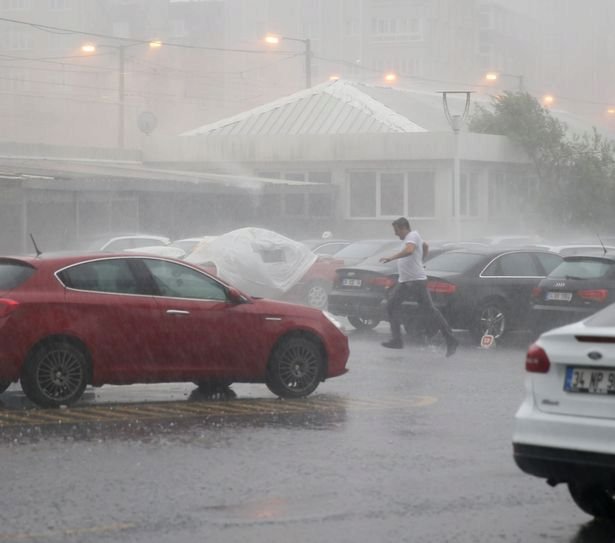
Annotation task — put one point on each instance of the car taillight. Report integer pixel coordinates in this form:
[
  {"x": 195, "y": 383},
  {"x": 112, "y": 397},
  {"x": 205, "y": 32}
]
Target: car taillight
[
  {"x": 7, "y": 306},
  {"x": 441, "y": 287},
  {"x": 536, "y": 360},
  {"x": 597, "y": 295},
  {"x": 386, "y": 282},
  {"x": 536, "y": 292}
]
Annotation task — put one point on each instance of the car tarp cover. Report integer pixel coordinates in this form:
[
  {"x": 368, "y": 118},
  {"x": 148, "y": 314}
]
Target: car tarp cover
[{"x": 257, "y": 261}]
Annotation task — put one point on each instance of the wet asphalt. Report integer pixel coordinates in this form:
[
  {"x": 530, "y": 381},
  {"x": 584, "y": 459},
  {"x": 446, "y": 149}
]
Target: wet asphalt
[{"x": 408, "y": 446}]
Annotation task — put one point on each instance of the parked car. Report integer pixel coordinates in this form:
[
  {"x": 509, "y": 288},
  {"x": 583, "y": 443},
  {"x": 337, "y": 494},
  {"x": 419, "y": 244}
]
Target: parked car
[
  {"x": 128, "y": 241},
  {"x": 70, "y": 321},
  {"x": 564, "y": 430},
  {"x": 359, "y": 292},
  {"x": 190, "y": 244},
  {"x": 487, "y": 291},
  {"x": 574, "y": 290},
  {"x": 578, "y": 249},
  {"x": 326, "y": 246},
  {"x": 264, "y": 263},
  {"x": 358, "y": 251}
]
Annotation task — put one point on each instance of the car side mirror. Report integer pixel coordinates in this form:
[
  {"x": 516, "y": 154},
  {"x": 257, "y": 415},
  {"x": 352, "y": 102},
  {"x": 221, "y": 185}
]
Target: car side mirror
[{"x": 235, "y": 296}]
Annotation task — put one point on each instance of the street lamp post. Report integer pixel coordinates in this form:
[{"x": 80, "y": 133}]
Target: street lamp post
[
  {"x": 274, "y": 39},
  {"x": 494, "y": 76},
  {"x": 456, "y": 123}
]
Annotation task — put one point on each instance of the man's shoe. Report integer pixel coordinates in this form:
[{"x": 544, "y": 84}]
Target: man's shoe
[
  {"x": 393, "y": 344},
  {"x": 451, "y": 347}
]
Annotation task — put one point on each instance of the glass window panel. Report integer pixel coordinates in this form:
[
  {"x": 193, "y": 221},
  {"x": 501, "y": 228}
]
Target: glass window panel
[
  {"x": 363, "y": 194},
  {"x": 179, "y": 281},
  {"x": 421, "y": 194},
  {"x": 392, "y": 194}
]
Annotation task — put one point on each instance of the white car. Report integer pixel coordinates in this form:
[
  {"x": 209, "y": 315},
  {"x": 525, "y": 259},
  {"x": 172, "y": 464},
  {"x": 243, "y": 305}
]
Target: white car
[
  {"x": 565, "y": 427},
  {"x": 130, "y": 241}
]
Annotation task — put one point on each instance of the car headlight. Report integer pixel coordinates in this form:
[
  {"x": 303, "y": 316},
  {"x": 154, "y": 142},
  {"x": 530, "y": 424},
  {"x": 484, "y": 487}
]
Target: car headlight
[{"x": 333, "y": 320}]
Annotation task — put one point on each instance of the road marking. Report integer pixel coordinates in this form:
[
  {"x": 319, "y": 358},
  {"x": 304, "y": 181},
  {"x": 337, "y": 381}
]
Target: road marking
[
  {"x": 189, "y": 409},
  {"x": 24, "y": 536}
]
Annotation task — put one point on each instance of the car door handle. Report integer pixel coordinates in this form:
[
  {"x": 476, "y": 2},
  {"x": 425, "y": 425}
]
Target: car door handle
[{"x": 177, "y": 312}]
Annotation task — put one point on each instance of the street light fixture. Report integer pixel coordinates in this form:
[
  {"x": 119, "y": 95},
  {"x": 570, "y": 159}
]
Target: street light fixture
[
  {"x": 390, "y": 77},
  {"x": 275, "y": 39},
  {"x": 494, "y": 76},
  {"x": 548, "y": 100}
]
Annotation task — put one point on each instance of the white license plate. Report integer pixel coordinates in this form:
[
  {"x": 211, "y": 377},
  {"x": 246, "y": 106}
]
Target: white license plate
[
  {"x": 559, "y": 296},
  {"x": 352, "y": 282},
  {"x": 590, "y": 380}
]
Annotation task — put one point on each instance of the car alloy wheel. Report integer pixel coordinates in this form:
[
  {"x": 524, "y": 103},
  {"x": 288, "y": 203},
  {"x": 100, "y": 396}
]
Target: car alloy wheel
[
  {"x": 317, "y": 295},
  {"x": 363, "y": 323},
  {"x": 490, "y": 320},
  {"x": 296, "y": 368},
  {"x": 55, "y": 374}
]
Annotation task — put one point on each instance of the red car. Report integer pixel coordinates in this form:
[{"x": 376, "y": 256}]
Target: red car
[{"x": 69, "y": 321}]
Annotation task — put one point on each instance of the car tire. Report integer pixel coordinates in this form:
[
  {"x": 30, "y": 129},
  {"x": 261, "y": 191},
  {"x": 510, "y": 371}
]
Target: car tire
[
  {"x": 55, "y": 374},
  {"x": 363, "y": 323},
  {"x": 317, "y": 294},
  {"x": 490, "y": 318},
  {"x": 4, "y": 385},
  {"x": 295, "y": 369},
  {"x": 594, "y": 499}
]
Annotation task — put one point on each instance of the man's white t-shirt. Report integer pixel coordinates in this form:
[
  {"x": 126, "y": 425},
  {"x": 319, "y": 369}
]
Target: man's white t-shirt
[{"x": 411, "y": 267}]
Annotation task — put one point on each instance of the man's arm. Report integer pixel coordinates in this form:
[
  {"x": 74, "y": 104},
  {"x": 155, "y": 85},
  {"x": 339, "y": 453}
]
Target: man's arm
[
  {"x": 425, "y": 250},
  {"x": 406, "y": 251}
]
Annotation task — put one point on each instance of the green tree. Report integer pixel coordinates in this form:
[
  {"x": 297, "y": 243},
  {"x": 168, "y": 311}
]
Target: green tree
[{"x": 576, "y": 174}]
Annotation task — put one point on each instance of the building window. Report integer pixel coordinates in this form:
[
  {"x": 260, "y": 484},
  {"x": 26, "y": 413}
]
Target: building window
[
  {"x": 319, "y": 177},
  {"x": 421, "y": 194},
  {"x": 14, "y": 81},
  {"x": 397, "y": 29},
  {"x": 294, "y": 176},
  {"x": 363, "y": 194},
  {"x": 58, "y": 5},
  {"x": 469, "y": 195},
  {"x": 391, "y": 194},
  {"x": 16, "y": 40},
  {"x": 16, "y": 5}
]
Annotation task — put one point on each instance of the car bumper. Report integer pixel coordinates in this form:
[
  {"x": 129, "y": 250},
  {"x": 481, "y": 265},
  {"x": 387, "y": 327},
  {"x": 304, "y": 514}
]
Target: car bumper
[
  {"x": 357, "y": 304},
  {"x": 562, "y": 447}
]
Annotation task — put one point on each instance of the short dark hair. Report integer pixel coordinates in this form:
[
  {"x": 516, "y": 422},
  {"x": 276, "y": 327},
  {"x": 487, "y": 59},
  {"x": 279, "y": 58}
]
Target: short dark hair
[{"x": 402, "y": 222}]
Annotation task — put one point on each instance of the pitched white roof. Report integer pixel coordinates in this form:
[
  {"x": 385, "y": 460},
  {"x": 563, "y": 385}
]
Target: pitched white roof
[{"x": 333, "y": 107}]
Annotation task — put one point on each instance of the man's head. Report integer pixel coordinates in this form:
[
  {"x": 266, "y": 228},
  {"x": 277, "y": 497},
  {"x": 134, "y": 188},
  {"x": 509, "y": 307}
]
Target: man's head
[{"x": 401, "y": 227}]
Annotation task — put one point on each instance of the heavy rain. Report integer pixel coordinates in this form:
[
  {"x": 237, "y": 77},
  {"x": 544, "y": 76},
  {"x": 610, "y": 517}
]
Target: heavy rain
[{"x": 215, "y": 321}]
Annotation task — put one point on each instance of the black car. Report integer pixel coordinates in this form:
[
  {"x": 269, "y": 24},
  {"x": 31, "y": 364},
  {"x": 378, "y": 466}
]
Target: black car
[
  {"x": 487, "y": 291},
  {"x": 359, "y": 251},
  {"x": 359, "y": 292},
  {"x": 574, "y": 290}
]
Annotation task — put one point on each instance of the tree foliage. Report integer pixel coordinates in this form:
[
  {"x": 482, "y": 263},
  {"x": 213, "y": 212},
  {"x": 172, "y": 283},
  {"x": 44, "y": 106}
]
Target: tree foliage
[{"x": 576, "y": 173}]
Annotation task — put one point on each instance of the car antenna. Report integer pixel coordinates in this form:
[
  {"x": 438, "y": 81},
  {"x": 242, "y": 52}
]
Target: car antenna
[
  {"x": 38, "y": 252},
  {"x": 603, "y": 247}
]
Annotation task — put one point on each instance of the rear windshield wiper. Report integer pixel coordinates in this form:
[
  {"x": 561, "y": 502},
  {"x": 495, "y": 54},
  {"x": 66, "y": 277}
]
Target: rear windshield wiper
[{"x": 574, "y": 277}]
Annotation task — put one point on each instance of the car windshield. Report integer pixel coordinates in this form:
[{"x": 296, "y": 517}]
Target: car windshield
[
  {"x": 582, "y": 269},
  {"x": 453, "y": 262},
  {"x": 13, "y": 274}
]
